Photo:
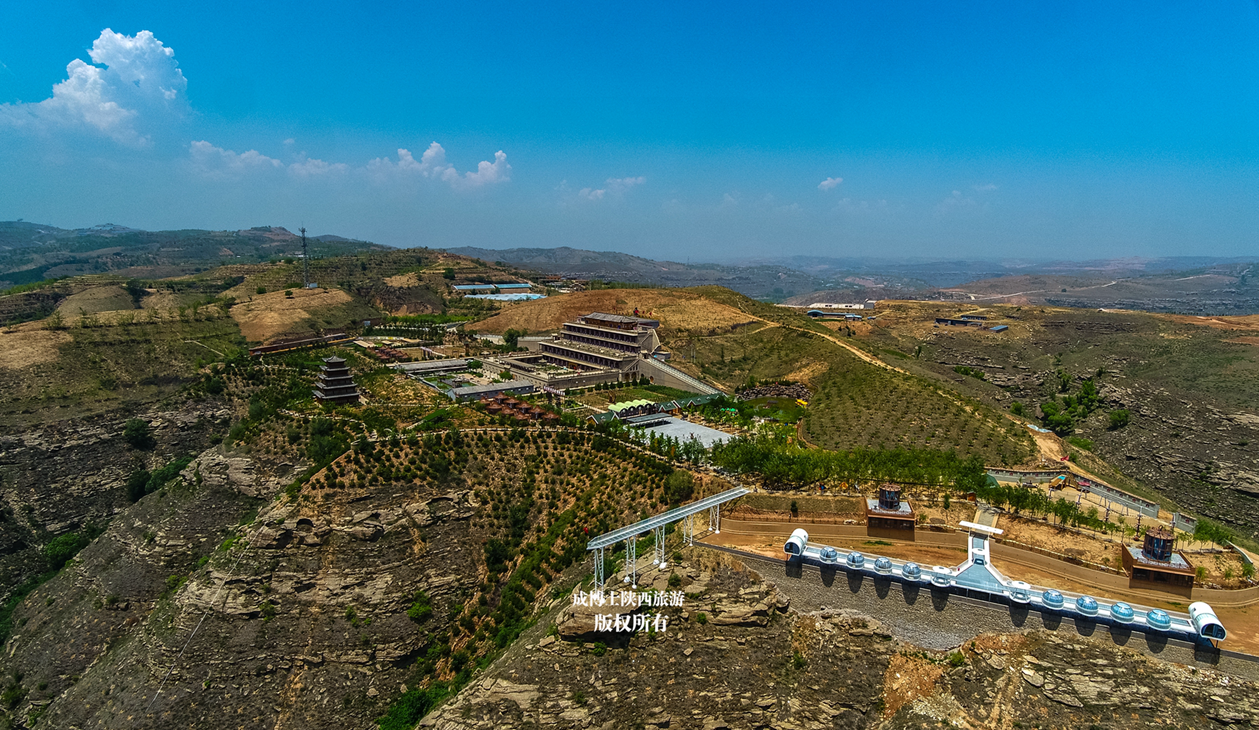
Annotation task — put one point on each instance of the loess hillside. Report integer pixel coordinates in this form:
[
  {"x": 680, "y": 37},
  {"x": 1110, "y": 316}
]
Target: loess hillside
[
  {"x": 1188, "y": 389},
  {"x": 332, "y": 593}
]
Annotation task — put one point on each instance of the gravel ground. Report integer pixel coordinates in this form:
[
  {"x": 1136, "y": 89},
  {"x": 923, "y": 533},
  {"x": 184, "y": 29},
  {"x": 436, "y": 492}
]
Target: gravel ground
[{"x": 937, "y": 621}]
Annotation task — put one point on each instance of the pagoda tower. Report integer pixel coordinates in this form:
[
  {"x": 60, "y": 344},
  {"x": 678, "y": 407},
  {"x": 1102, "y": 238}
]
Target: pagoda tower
[{"x": 335, "y": 384}]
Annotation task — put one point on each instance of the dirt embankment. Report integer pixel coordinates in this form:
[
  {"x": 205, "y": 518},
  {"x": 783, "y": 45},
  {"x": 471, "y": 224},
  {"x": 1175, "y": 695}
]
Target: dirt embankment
[
  {"x": 270, "y": 315},
  {"x": 28, "y": 344},
  {"x": 678, "y": 310}
]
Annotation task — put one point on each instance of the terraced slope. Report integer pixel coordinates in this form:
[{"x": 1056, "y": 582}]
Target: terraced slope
[{"x": 729, "y": 340}]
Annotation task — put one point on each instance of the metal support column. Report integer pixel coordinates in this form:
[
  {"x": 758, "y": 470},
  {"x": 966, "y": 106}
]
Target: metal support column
[
  {"x": 688, "y": 530},
  {"x": 659, "y": 557},
  {"x": 714, "y": 519},
  {"x": 599, "y": 577},
  {"x": 631, "y": 561}
]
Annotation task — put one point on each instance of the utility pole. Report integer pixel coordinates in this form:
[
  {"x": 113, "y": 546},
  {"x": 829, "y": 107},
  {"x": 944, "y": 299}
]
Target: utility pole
[{"x": 305, "y": 260}]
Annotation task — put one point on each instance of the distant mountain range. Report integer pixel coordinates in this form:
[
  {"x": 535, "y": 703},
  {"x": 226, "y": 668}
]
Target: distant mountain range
[
  {"x": 1189, "y": 284},
  {"x": 762, "y": 281},
  {"x": 31, "y": 252}
]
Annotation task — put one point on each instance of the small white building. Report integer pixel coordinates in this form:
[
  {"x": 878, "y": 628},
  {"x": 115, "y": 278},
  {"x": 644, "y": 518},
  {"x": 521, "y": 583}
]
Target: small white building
[{"x": 868, "y": 304}]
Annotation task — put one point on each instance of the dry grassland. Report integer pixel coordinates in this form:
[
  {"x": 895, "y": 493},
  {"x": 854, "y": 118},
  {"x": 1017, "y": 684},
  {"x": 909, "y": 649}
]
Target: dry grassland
[
  {"x": 678, "y": 310},
  {"x": 809, "y": 372},
  {"x": 160, "y": 300},
  {"x": 269, "y": 315},
  {"x": 27, "y": 345},
  {"x": 402, "y": 281},
  {"x": 1247, "y": 323},
  {"x": 95, "y": 300}
]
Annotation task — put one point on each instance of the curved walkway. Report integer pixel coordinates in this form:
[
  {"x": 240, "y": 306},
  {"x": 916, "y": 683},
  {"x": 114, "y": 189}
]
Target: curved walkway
[{"x": 1115, "y": 586}]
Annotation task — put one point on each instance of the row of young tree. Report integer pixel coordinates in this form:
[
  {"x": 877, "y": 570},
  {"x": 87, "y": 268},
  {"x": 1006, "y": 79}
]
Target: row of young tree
[
  {"x": 1020, "y": 499},
  {"x": 784, "y": 464}
]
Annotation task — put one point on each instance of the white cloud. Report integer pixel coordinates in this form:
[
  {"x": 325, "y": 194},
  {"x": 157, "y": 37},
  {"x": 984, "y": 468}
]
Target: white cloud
[
  {"x": 621, "y": 184},
  {"x": 616, "y": 186},
  {"x": 214, "y": 161},
  {"x": 985, "y": 188},
  {"x": 135, "y": 83},
  {"x": 829, "y": 183},
  {"x": 313, "y": 168},
  {"x": 432, "y": 164},
  {"x": 489, "y": 173}
]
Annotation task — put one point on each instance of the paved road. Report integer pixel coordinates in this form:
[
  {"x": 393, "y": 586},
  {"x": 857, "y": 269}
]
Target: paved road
[{"x": 937, "y": 620}]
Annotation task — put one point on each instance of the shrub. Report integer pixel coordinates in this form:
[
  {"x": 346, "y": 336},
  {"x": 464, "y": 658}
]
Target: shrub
[
  {"x": 421, "y": 609},
  {"x": 702, "y": 618},
  {"x": 138, "y": 434},
  {"x": 679, "y": 486},
  {"x": 136, "y": 483},
  {"x": 957, "y": 659},
  {"x": 61, "y": 548},
  {"x": 261, "y": 290},
  {"x": 1119, "y": 419},
  {"x": 599, "y": 649},
  {"x": 675, "y": 580}
]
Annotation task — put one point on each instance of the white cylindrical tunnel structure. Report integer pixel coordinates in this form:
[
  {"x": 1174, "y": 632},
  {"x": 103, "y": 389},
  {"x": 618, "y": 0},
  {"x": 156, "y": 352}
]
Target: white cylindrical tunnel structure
[
  {"x": 1205, "y": 621},
  {"x": 795, "y": 544}
]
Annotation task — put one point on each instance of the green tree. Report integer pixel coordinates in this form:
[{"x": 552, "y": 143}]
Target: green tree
[
  {"x": 1207, "y": 531},
  {"x": 1119, "y": 419},
  {"x": 1057, "y": 418},
  {"x": 137, "y": 433},
  {"x": 1088, "y": 396},
  {"x": 511, "y": 338},
  {"x": 448, "y": 274}
]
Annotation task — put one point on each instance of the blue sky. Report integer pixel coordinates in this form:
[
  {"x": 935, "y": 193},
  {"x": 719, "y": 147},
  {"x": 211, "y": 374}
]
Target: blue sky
[{"x": 710, "y": 132}]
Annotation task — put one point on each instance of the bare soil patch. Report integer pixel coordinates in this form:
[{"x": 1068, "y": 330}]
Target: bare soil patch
[
  {"x": 160, "y": 300},
  {"x": 808, "y": 372},
  {"x": 402, "y": 281},
  {"x": 24, "y": 346},
  {"x": 908, "y": 678},
  {"x": 269, "y": 315},
  {"x": 95, "y": 300},
  {"x": 1062, "y": 541},
  {"x": 675, "y": 309},
  {"x": 1249, "y": 322}
]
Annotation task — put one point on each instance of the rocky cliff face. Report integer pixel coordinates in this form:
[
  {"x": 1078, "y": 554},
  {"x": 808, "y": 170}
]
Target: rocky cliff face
[
  {"x": 74, "y": 473},
  {"x": 299, "y": 616},
  {"x": 1200, "y": 453}
]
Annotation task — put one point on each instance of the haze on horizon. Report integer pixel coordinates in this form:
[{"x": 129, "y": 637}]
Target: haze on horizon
[{"x": 711, "y": 132}]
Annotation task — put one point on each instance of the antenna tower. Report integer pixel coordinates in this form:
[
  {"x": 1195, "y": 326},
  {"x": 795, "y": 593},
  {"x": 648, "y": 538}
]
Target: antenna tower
[{"x": 305, "y": 260}]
